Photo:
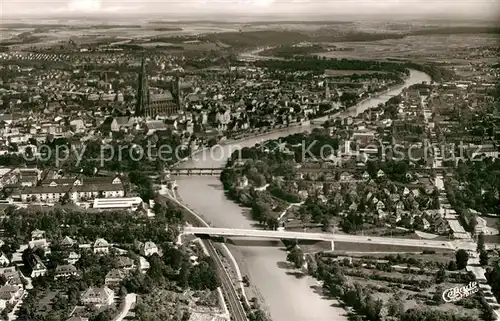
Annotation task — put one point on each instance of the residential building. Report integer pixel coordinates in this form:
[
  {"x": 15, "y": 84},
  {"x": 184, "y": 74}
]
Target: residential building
[
  {"x": 78, "y": 188},
  {"x": 37, "y": 266},
  {"x": 65, "y": 271},
  {"x": 73, "y": 258},
  {"x": 103, "y": 296},
  {"x": 101, "y": 246},
  {"x": 125, "y": 263},
  {"x": 40, "y": 244},
  {"x": 148, "y": 249},
  {"x": 37, "y": 235},
  {"x": 67, "y": 242},
  {"x": 115, "y": 277},
  {"x": 4, "y": 260},
  {"x": 10, "y": 293}
]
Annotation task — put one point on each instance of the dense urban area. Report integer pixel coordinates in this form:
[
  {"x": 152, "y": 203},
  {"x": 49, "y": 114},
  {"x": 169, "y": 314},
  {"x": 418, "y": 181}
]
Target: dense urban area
[{"x": 101, "y": 125}]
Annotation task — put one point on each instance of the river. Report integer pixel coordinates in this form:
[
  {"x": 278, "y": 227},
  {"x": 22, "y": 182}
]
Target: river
[{"x": 287, "y": 298}]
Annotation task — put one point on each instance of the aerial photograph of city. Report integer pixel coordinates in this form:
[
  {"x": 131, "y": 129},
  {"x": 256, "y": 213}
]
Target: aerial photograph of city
[{"x": 249, "y": 160}]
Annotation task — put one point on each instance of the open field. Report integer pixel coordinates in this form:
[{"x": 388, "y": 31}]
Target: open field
[
  {"x": 183, "y": 46},
  {"x": 366, "y": 40},
  {"x": 421, "y": 48}
]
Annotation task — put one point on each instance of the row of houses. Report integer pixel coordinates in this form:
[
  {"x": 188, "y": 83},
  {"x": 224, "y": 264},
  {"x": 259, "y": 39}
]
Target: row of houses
[
  {"x": 14, "y": 288},
  {"x": 75, "y": 189},
  {"x": 100, "y": 246}
]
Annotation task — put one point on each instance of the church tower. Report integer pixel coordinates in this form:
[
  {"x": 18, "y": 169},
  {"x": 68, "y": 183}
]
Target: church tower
[
  {"x": 177, "y": 91},
  {"x": 142, "y": 96}
]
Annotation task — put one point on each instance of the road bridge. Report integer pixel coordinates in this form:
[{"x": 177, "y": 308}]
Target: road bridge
[
  {"x": 225, "y": 232},
  {"x": 196, "y": 171}
]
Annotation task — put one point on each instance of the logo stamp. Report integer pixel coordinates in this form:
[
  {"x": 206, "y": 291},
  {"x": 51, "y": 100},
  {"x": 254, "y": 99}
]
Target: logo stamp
[{"x": 457, "y": 293}]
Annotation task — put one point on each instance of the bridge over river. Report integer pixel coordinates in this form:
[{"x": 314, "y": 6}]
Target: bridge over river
[
  {"x": 206, "y": 171},
  {"x": 283, "y": 235},
  {"x": 195, "y": 171}
]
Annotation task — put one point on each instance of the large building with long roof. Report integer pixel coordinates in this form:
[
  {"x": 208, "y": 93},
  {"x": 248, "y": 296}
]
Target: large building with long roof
[{"x": 162, "y": 103}]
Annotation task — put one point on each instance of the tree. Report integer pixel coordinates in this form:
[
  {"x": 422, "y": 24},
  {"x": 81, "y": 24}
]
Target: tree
[
  {"x": 325, "y": 224},
  {"x": 257, "y": 316},
  {"x": 28, "y": 152},
  {"x": 438, "y": 295},
  {"x": 483, "y": 258},
  {"x": 461, "y": 257},
  {"x": 186, "y": 316},
  {"x": 105, "y": 315},
  {"x": 440, "y": 276},
  {"x": 65, "y": 199},
  {"x": 156, "y": 269},
  {"x": 26, "y": 256},
  {"x": 73, "y": 295},
  {"x": 246, "y": 280},
  {"x": 144, "y": 185},
  {"x": 395, "y": 307},
  {"x": 493, "y": 277},
  {"x": 273, "y": 223},
  {"x": 122, "y": 292},
  {"x": 373, "y": 308},
  {"x": 296, "y": 256},
  {"x": 184, "y": 274},
  {"x": 480, "y": 242},
  {"x": 203, "y": 276}
]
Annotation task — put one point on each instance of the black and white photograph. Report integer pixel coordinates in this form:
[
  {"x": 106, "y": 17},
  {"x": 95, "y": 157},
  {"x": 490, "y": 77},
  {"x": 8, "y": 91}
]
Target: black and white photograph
[{"x": 249, "y": 160}]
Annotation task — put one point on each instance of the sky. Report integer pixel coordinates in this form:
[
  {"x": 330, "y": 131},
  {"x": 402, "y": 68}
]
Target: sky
[{"x": 297, "y": 8}]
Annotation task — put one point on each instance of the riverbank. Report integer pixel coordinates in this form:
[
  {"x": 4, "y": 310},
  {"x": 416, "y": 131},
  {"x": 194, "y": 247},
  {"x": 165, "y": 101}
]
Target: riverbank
[{"x": 239, "y": 265}]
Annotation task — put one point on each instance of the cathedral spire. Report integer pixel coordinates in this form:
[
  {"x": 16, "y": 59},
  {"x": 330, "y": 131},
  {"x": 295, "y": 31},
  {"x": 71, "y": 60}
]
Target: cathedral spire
[{"x": 142, "y": 89}]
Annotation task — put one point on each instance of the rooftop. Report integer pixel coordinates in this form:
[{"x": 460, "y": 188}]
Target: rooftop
[{"x": 126, "y": 202}]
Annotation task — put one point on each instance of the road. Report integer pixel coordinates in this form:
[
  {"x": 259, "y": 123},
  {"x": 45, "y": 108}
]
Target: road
[
  {"x": 321, "y": 237},
  {"x": 129, "y": 301}
]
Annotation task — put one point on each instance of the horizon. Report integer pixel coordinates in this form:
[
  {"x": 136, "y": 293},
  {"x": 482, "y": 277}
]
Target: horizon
[{"x": 295, "y": 10}]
